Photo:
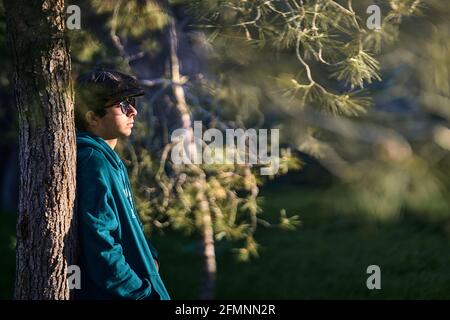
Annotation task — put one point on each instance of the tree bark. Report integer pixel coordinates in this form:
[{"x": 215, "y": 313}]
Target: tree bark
[
  {"x": 209, "y": 264},
  {"x": 44, "y": 98}
]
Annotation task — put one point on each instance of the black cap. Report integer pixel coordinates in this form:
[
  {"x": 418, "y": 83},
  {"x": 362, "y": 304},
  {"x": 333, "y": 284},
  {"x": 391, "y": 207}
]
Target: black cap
[{"x": 101, "y": 88}]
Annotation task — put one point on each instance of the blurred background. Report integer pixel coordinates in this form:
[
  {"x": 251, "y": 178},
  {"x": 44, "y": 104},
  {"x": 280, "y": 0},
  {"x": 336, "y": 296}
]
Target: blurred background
[{"x": 364, "y": 133}]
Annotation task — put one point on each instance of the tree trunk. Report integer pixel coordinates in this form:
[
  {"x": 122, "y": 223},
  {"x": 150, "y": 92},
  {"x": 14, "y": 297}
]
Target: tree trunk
[
  {"x": 209, "y": 267},
  {"x": 44, "y": 97},
  {"x": 207, "y": 288}
]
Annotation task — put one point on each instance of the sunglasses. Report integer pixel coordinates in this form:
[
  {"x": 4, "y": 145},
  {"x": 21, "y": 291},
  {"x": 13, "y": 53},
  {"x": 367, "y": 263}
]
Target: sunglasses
[{"x": 125, "y": 105}]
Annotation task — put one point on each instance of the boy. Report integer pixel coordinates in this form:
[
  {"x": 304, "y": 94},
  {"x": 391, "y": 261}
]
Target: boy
[{"x": 116, "y": 261}]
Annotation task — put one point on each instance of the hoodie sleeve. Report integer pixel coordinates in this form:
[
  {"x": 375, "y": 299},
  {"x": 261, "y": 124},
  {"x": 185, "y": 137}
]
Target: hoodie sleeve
[{"x": 103, "y": 256}]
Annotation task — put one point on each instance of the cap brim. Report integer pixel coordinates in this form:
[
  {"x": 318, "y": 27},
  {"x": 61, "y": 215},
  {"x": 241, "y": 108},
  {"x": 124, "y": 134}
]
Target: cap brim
[{"x": 129, "y": 93}]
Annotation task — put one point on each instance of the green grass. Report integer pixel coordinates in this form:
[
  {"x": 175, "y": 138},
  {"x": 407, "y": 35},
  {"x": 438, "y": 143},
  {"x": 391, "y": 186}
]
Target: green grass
[{"x": 325, "y": 258}]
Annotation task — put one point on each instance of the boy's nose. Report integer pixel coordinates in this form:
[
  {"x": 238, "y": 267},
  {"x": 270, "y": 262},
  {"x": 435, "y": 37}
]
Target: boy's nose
[{"x": 133, "y": 112}]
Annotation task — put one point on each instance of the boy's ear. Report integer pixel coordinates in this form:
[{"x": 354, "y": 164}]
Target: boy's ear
[{"x": 91, "y": 118}]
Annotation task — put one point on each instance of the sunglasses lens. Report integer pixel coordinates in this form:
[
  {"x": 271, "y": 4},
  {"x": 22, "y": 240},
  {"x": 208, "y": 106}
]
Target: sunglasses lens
[{"x": 126, "y": 105}]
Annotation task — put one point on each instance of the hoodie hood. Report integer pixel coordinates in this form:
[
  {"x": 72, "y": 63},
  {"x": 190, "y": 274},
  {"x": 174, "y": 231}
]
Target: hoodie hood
[{"x": 89, "y": 140}]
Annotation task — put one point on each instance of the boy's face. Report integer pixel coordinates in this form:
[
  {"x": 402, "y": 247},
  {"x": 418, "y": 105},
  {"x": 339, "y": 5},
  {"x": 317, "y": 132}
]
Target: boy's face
[{"x": 114, "y": 124}]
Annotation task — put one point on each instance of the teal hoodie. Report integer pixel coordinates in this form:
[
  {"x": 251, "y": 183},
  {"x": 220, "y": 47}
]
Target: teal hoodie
[{"x": 115, "y": 259}]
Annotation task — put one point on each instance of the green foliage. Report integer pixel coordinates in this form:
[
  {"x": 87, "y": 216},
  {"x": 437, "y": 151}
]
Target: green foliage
[
  {"x": 135, "y": 18},
  {"x": 434, "y": 71},
  {"x": 230, "y": 192},
  {"x": 85, "y": 46},
  {"x": 319, "y": 33},
  {"x": 351, "y": 104},
  {"x": 289, "y": 223},
  {"x": 385, "y": 189},
  {"x": 357, "y": 70},
  {"x": 303, "y": 46}
]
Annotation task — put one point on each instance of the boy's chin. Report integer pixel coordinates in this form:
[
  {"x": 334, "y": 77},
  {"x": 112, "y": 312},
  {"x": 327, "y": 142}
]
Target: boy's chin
[{"x": 126, "y": 133}]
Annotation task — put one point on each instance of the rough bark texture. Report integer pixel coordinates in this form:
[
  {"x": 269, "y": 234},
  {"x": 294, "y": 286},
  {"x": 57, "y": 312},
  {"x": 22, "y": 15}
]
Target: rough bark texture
[{"x": 44, "y": 98}]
